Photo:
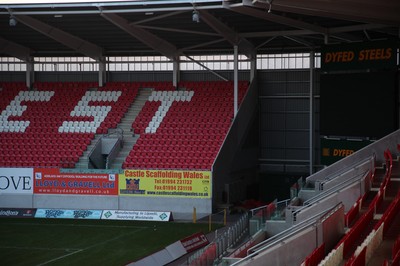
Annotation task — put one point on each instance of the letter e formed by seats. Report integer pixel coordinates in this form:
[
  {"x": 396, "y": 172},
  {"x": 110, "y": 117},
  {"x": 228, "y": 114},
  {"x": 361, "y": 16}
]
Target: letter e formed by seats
[{"x": 15, "y": 108}]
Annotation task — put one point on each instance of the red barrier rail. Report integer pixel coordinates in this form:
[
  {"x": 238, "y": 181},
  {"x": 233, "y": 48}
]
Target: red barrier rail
[
  {"x": 355, "y": 232},
  {"x": 357, "y": 260},
  {"x": 389, "y": 163},
  {"x": 243, "y": 251},
  {"x": 316, "y": 256},
  {"x": 207, "y": 257},
  {"x": 396, "y": 247},
  {"x": 390, "y": 213},
  {"x": 353, "y": 212},
  {"x": 377, "y": 200},
  {"x": 396, "y": 259}
]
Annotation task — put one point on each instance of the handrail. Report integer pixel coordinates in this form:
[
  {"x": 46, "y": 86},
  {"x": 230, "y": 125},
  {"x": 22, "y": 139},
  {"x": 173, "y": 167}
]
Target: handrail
[
  {"x": 288, "y": 233},
  {"x": 336, "y": 188},
  {"x": 118, "y": 131},
  {"x": 353, "y": 166},
  {"x": 252, "y": 211},
  {"x": 376, "y": 148},
  {"x": 92, "y": 150},
  {"x": 224, "y": 241},
  {"x": 318, "y": 198},
  {"x": 119, "y": 142}
]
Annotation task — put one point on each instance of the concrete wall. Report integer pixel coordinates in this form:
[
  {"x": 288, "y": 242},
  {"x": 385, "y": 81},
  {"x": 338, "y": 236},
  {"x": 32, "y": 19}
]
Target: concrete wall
[
  {"x": 284, "y": 98},
  {"x": 347, "y": 196},
  {"x": 75, "y": 202},
  {"x": 180, "y": 208},
  {"x": 236, "y": 166},
  {"x": 283, "y": 253},
  {"x": 16, "y": 201}
]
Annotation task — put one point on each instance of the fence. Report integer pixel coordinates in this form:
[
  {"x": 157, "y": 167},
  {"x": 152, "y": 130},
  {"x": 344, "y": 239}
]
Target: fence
[
  {"x": 264, "y": 212},
  {"x": 223, "y": 241}
]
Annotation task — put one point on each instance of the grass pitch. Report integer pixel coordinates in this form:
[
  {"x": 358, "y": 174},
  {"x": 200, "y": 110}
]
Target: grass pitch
[{"x": 86, "y": 242}]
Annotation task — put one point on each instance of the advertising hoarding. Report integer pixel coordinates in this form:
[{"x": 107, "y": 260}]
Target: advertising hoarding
[
  {"x": 365, "y": 55},
  {"x": 68, "y": 214},
  {"x": 194, "y": 242},
  {"x": 165, "y": 183},
  {"x": 17, "y": 213},
  {"x": 136, "y": 215},
  {"x": 16, "y": 180},
  {"x": 51, "y": 181}
]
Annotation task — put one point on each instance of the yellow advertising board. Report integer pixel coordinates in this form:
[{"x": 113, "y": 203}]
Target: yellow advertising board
[{"x": 165, "y": 183}]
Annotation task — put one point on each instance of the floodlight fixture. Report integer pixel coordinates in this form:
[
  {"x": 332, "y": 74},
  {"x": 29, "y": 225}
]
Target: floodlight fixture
[
  {"x": 13, "y": 21},
  {"x": 196, "y": 16}
]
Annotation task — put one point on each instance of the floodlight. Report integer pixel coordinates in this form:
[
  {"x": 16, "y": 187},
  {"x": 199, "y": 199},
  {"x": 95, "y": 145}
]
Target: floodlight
[
  {"x": 196, "y": 16},
  {"x": 13, "y": 22}
]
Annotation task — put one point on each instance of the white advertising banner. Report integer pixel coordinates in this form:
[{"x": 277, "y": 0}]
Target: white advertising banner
[
  {"x": 16, "y": 180},
  {"x": 136, "y": 215}
]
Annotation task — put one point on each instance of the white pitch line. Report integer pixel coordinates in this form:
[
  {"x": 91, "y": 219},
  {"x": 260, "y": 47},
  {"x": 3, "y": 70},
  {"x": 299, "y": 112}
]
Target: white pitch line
[
  {"x": 49, "y": 249},
  {"x": 112, "y": 239},
  {"x": 89, "y": 247},
  {"x": 61, "y": 257}
]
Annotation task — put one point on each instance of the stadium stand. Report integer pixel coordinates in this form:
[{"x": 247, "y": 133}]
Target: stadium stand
[
  {"x": 363, "y": 231},
  {"x": 183, "y": 129},
  {"x": 52, "y": 125}
]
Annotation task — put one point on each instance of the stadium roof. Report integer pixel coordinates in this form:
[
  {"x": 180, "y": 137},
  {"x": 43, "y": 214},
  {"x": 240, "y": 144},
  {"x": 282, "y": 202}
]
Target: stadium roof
[{"x": 169, "y": 28}]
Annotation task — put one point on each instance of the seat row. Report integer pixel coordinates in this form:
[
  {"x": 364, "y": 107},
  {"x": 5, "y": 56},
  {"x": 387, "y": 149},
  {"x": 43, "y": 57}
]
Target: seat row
[
  {"x": 48, "y": 119},
  {"x": 189, "y": 130},
  {"x": 52, "y": 110}
]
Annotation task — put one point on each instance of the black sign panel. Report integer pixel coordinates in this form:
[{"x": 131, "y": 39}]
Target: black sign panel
[
  {"x": 370, "y": 55},
  {"x": 17, "y": 213}
]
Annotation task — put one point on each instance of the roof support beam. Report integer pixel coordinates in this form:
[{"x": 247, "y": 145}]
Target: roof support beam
[
  {"x": 15, "y": 49},
  {"x": 67, "y": 39},
  {"x": 205, "y": 67},
  {"x": 288, "y": 21},
  {"x": 201, "y": 45},
  {"x": 156, "y": 43},
  {"x": 300, "y": 41},
  {"x": 336, "y": 32},
  {"x": 278, "y": 19},
  {"x": 368, "y": 11},
  {"x": 179, "y": 30},
  {"x": 154, "y": 18},
  {"x": 244, "y": 46}
]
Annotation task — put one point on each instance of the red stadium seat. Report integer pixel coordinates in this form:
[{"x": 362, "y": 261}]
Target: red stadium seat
[{"x": 42, "y": 137}]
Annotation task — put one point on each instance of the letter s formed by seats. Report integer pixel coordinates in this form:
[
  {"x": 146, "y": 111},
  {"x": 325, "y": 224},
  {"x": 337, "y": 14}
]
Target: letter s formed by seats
[{"x": 99, "y": 113}]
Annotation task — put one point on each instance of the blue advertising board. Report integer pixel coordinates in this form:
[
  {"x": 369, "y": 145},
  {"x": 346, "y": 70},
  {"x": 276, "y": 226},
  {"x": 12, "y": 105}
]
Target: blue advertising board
[{"x": 68, "y": 214}]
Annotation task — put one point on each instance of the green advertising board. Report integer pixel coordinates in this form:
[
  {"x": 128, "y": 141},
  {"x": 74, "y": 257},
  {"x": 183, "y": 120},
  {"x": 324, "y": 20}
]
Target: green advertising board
[
  {"x": 368, "y": 55},
  {"x": 332, "y": 150}
]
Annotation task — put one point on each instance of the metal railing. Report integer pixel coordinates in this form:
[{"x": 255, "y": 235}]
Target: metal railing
[
  {"x": 225, "y": 239},
  {"x": 119, "y": 133}
]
